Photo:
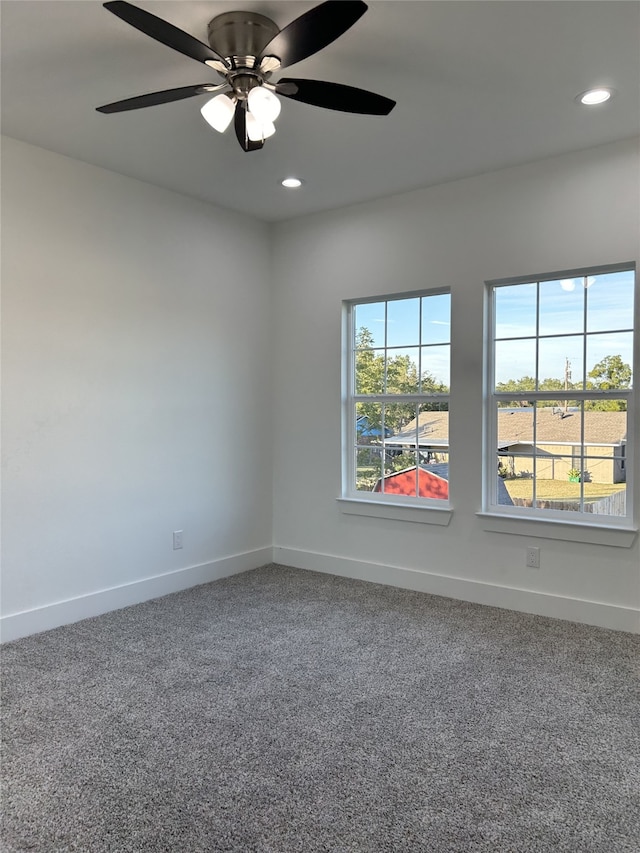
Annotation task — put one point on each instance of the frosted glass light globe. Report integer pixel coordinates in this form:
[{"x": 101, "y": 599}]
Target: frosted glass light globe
[
  {"x": 263, "y": 104},
  {"x": 218, "y": 112},
  {"x": 257, "y": 131}
]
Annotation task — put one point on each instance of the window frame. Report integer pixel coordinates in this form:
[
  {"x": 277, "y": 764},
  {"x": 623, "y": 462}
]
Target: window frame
[
  {"x": 382, "y": 504},
  {"x": 559, "y": 518}
]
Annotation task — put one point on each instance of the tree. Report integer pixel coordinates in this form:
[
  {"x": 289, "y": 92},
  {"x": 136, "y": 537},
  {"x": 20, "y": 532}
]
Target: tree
[
  {"x": 517, "y": 387},
  {"x": 401, "y": 378},
  {"x": 369, "y": 366},
  {"x": 611, "y": 373}
]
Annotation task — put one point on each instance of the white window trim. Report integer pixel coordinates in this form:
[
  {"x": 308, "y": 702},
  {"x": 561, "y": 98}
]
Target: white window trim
[
  {"x": 396, "y": 511},
  {"x": 545, "y": 523},
  {"x": 372, "y": 504},
  {"x": 568, "y": 531}
]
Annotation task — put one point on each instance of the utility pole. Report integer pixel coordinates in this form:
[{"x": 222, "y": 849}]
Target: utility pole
[{"x": 567, "y": 378}]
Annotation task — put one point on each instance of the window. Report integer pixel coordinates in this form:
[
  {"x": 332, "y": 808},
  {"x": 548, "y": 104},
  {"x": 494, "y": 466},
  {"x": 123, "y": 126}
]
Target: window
[
  {"x": 560, "y": 399},
  {"x": 396, "y": 400}
]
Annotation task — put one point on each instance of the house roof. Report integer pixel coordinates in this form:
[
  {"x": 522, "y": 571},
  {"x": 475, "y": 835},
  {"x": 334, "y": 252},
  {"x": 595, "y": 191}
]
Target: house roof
[
  {"x": 600, "y": 428},
  {"x": 433, "y": 429},
  {"x": 441, "y": 471}
]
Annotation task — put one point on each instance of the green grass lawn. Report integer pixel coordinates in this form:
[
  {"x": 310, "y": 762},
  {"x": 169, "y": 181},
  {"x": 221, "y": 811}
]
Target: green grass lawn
[{"x": 555, "y": 490}]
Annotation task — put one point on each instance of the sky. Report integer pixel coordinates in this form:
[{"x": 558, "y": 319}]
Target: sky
[
  {"x": 600, "y": 305},
  {"x": 404, "y": 319}
]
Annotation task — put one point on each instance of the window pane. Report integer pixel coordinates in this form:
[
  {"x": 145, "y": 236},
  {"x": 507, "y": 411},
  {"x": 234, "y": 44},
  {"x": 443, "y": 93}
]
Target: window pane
[
  {"x": 614, "y": 502},
  {"x": 402, "y": 423},
  {"x": 610, "y": 301},
  {"x": 433, "y": 435},
  {"x": 515, "y": 437},
  {"x": 514, "y": 489},
  {"x": 403, "y": 322},
  {"x": 605, "y": 490},
  {"x": 605, "y": 430},
  {"x": 515, "y": 365},
  {"x": 368, "y": 468},
  {"x": 369, "y": 367},
  {"x": 557, "y": 484},
  {"x": 368, "y": 422},
  {"x": 515, "y": 310},
  {"x": 368, "y": 445},
  {"x": 560, "y": 363},
  {"x": 424, "y": 472},
  {"x": 430, "y": 430},
  {"x": 561, "y": 307},
  {"x": 370, "y": 316},
  {"x": 397, "y": 418},
  {"x": 401, "y": 473},
  {"x": 436, "y": 369},
  {"x": 402, "y": 371},
  {"x": 436, "y": 319},
  {"x": 558, "y": 441},
  {"x": 609, "y": 360}
]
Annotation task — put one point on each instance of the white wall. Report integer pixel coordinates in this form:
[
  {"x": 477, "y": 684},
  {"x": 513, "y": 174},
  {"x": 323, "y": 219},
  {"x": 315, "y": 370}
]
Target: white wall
[
  {"x": 567, "y": 212},
  {"x": 136, "y": 350},
  {"x": 137, "y": 369}
]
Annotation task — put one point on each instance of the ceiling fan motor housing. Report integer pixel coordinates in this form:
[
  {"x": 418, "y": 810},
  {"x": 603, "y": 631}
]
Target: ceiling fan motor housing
[{"x": 241, "y": 35}]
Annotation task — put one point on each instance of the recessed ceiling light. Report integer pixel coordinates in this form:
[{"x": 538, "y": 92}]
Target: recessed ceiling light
[
  {"x": 595, "y": 96},
  {"x": 291, "y": 183}
]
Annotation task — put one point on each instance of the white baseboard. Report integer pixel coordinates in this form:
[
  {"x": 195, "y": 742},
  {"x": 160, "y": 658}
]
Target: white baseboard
[
  {"x": 16, "y": 625},
  {"x": 526, "y": 601}
]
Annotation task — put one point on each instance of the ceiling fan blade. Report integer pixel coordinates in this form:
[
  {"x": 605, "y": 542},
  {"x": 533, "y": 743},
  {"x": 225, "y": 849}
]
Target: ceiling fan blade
[
  {"x": 335, "y": 96},
  {"x": 314, "y": 30},
  {"x": 163, "y": 31},
  {"x": 154, "y": 98},
  {"x": 240, "y": 126}
]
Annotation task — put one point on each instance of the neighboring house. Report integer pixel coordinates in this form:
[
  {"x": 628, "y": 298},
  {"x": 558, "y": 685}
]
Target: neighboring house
[
  {"x": 557, "y": 444},
  {"x": 366, "y": 430},
  {"x": 432, "y": 438},
  {"x": 558, "y": 440},
  {"x": 432, "y": 482}
]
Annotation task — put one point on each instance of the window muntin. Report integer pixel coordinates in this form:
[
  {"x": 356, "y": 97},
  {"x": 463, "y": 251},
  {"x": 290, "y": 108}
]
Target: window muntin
[
  {"x": 397, "y": 399},
  {"x": 561, "y": 397}
]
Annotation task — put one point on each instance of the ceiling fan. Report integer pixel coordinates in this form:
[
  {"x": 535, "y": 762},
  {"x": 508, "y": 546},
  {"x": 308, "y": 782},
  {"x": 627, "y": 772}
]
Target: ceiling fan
[{"x": 245, "y": 49}]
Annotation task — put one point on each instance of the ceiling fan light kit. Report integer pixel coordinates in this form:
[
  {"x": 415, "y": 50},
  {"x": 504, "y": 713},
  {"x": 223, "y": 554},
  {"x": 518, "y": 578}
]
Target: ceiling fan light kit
[
  {"x": 257, "y": 130},
  {"x": 245, "y": 49},
  {"x": 219, "y": 111}
]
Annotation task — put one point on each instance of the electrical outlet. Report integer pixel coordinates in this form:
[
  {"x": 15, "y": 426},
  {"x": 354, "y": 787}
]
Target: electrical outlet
[
  {"x": 177, "y": 540},
  {"x": 533, "y": 558}
]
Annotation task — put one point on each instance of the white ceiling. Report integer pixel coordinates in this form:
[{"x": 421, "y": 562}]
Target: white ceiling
[{"x": 480, "y": 85}]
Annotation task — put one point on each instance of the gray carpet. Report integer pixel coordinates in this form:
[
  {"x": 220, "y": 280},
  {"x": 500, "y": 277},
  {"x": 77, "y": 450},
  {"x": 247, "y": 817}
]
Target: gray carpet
[{"x": 282, "y": 710}]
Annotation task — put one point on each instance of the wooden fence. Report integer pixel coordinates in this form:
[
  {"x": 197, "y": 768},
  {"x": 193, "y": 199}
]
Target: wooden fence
[{"x": 614, "y": 504}]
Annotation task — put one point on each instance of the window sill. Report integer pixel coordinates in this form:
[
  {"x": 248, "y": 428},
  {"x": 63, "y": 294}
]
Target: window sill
[
  {"x": 569, "y": 531},
  {"x": 396, "y": 512}
]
